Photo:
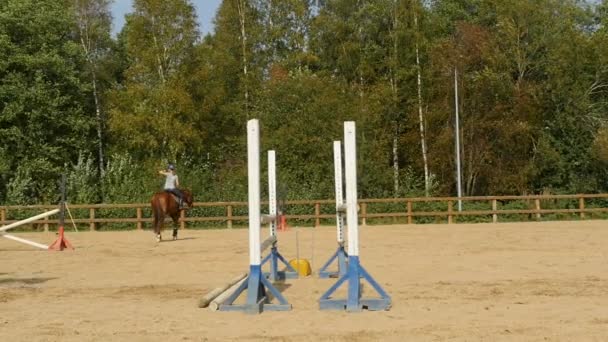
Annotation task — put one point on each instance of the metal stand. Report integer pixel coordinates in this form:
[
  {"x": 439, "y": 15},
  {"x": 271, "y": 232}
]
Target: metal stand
[
  {"x": 354, "y": 273},
  {"x": 340, "y": 255},
  {"x": 257, "y": 299},
  {"x": 61, "y": 243},
  {"x": 275, "y": 257}
]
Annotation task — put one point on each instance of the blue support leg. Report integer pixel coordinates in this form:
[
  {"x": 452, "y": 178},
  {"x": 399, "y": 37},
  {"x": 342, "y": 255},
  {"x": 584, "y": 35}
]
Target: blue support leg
[
  {"x": 257, "y": 299},
  {"x": 341, "y": 256},
  {"x": 274, "y": 257},
  {"x": 354, "y": 285},
  {"x": 353, "y": 301}
]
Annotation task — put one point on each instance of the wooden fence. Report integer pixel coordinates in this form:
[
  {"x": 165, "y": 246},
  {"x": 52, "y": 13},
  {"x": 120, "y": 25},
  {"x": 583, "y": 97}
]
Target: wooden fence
[{"x": 408, "y": 210}]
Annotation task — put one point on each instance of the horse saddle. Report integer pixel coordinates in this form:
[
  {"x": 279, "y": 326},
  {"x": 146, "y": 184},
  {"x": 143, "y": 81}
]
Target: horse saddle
[{"x": 180, "y": 203}]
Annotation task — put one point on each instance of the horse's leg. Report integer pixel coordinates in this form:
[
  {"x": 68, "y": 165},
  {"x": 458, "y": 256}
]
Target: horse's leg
[
  {"x": 175, "y": 218},
  {"x": 158, "y": 223},
  {"x": 161, "y": 222}
]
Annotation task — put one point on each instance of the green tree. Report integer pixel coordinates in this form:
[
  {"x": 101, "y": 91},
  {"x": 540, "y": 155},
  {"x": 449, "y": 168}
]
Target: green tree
[
  {"x": 44, "y": 121},
  {"x": 94, "y": 23},
  {"x": 152, "y": 112}
]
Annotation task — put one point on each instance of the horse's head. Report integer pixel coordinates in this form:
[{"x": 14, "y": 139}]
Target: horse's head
[{"x": 188, "y": 198}]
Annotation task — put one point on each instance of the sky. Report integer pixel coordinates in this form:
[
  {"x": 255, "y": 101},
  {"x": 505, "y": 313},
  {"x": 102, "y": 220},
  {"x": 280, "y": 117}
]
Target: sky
[{"x": 205, "y": 10}]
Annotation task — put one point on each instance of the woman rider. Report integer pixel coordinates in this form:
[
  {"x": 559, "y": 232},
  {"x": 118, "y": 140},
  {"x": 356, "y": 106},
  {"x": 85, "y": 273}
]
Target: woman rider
[{"x": 172, "y": 183}]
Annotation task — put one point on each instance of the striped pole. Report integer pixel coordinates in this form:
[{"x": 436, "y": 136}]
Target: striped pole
[
  {"x": 253, "y": 164},
  {"x": 350, "y": 169}
]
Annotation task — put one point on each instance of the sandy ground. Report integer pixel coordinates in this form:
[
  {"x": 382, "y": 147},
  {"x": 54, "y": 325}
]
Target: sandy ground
[{"x": 504, "y": 282}]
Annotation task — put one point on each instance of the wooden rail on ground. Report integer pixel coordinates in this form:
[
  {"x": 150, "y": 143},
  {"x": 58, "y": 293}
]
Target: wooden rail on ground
[{"x": 323, "y": 211}]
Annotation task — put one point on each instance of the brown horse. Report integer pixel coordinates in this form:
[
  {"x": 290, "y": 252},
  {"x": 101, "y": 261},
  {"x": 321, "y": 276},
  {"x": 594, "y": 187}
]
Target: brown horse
[{"x": 163, "y": 204}]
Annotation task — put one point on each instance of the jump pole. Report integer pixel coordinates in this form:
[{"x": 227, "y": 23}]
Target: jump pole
[
  {"x": 353, "y": 302},
  {"x": 3, "y": 229},
  {"x": 256, "y": 284},
  {"x": 60, "y": 243},
  {"x": 28, "y": 220},
  {"x": 275, "y": 256},
  {"x": 340, "y": 254}
]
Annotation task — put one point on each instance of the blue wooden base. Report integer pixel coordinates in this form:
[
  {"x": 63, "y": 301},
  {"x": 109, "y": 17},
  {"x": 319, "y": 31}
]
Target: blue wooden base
[
  {"x": 354, "y": 302},
  {"x": 257, "y": 299},
  {"x": 340, "y": 255},
  {"x": 275, "y": 257}
]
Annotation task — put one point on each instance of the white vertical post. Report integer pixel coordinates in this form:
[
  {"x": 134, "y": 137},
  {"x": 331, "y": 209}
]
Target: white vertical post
[
  {"x": 457, "y": 137},
  {"x": 272, "y": 192},
  {"x": 339, "y": 190},
  {"x": 253, "y": 164},
  {"x": 350, "y": 168}
]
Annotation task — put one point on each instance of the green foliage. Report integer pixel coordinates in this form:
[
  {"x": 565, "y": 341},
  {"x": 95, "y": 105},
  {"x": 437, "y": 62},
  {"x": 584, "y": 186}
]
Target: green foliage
[
  {"x": 124, "y": 183},
  {"x": 82, "y": 186},
  {"x": 20, "y": 189},
  {"x": 533, "y": 86},
  {"x": 43, "y": 120}
]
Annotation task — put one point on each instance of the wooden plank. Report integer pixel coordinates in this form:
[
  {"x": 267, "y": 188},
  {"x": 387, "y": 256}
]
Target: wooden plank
[
  {"x": 316, "y": 218},
  {"x": 139, "y": 216},
  {"x": 363, "y": 214},
  {"x": 409, "y": 212},
  {"x": 219, "y": 300},
  {"x": 229, "y": 216},
  {"x": 92, "y": 219},
  {"x": 46, "y": 224},
  {"x": 204, "y": 302},
  {"x": 450, "y": 210}
]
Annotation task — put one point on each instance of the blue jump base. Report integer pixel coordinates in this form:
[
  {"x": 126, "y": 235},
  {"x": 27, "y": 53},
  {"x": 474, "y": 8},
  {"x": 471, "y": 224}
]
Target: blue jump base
[
  {"x": 339, "y": 255},
  {"x": 354, "y": 302},
  {"x": 257, "y": 300},
  {"x": 275, "y": 257}
]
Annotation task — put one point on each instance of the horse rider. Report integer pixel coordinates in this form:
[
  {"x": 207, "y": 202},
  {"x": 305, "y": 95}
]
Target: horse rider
[{"x": 172, "y": 184}]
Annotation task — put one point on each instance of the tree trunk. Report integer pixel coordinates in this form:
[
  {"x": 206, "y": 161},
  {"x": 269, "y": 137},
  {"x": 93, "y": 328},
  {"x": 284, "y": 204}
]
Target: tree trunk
[
  {"x": 421, "y": 118},
  {"x": 242, "y": 14},
  {"x": 395, "y": 89},
  {"x": 100, "y": 125},
  {"x": 396, "y": 160},
  {"x": 85, "y": 42}
]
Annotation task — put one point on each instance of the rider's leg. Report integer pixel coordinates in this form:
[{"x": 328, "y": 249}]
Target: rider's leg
[
  {"x": 178, "y": 194},
  {"x": 180, "y": 197}
]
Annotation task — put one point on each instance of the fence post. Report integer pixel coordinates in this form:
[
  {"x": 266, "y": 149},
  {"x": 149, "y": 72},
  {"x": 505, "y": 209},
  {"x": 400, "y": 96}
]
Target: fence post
[
  {"x": 229, "y": 214},
  {"x": 46, "y": 224},
  {"x": 317, "y": 213},
  {"x": 409, "y": 212},
  {"x": 537, "y": 205},
  {"x": 92, "y": 219},
  {"x": 182, "y": 219},
  {"x": 450, "y": 208},
  {"x": 494, "y": 209},
  {"x": 364, "y": 214},
  {"x": 581, "y": 207},
  {"x": 139, "y": 216},
  {"x": 3, "y": 215}
]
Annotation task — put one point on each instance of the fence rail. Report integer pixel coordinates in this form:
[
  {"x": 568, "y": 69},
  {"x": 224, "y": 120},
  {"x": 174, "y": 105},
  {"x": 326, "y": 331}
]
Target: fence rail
[{"x": 488, "y": 208}]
